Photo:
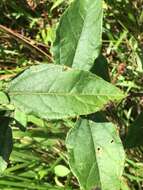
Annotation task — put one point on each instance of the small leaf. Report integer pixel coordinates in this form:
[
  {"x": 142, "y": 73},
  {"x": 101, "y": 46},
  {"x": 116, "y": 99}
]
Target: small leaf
[
  {"x": 61, "y": 171},
  {"x": 57, "y": 3},
  {"x": 56, "y": 92},
  {"x": 3, "y": 98},
  {"x": 96, "y": 155},
  {"x": 78, "y": 40},
  {"x": 3, "y": 165},
  {"x": 35, "y": 120},
  {"x": 20, "y": 117}
]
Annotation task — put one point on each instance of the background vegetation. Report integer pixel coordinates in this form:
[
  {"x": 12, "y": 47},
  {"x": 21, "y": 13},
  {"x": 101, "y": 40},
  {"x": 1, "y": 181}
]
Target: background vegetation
[{"x": 39, "y": 160}]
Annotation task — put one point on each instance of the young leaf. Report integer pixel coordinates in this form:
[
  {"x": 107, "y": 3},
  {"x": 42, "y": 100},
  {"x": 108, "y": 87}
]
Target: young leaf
[
  {"x": 61, "y": 171},
  {"x": 3, "y": 98},
  {"x": 3, "y": 165},
  {"x": 96, "y": 155},
  {"x": 78, "y": 39},
  {"x": 56, "y": 92},
  {"x": 56, "y": 4}
]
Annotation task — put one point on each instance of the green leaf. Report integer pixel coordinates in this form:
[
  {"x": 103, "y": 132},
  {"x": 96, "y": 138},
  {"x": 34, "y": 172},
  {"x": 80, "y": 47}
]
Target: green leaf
[
  {"x": 78, "y": 39},
  {"x": 56, "y": 4},
  {"x": 3, "y": 165},
  {"x": 57, "y": 92},
  {"x": 3, "y": 98},
  {"x": 35, "y": 120},
  {"x": 96, "y": 155},
  {"x": 20, "y": 117},
  {"x": 61, "y": 171}
]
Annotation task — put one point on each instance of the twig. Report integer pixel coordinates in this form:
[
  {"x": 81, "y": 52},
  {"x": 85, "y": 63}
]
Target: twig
[
  {"x": 7, "y": 76},
  {"x": 25, "y": 41}
]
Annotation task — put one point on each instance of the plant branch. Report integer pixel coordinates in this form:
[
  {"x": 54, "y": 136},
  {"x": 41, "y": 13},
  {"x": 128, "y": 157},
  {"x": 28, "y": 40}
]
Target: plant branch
[{"x": 25, "y": 41}]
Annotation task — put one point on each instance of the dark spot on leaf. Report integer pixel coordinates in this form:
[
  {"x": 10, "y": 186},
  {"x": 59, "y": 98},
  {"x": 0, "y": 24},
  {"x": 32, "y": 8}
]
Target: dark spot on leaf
[
  {"x": 98, "y": 149},
  {"x": 112, "y": 141}
]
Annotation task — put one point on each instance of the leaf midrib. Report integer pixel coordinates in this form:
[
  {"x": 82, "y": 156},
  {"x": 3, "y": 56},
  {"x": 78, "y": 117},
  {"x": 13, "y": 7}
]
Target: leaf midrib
[{"x": 60, "y": 94}]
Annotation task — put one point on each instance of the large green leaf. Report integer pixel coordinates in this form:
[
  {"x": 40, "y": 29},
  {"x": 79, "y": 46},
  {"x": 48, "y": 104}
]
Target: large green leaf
[
  {"x": 54, "y": 92},
  {"x": 96, "y": 155},
  {"x": 78, "y": 38}
]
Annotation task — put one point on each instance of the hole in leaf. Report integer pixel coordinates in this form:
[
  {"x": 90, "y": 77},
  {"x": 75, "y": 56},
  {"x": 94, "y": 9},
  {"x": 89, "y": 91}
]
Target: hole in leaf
[{"x": 98, "y": 149}]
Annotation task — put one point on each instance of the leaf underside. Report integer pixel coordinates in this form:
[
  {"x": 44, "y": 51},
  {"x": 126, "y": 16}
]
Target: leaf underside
[{"x": 55, "y": 92}]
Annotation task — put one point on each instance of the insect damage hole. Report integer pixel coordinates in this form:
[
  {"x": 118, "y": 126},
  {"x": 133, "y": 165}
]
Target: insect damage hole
[{"x": 98, "y": 149}]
